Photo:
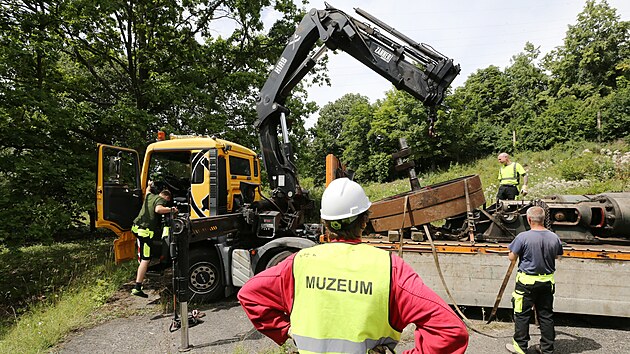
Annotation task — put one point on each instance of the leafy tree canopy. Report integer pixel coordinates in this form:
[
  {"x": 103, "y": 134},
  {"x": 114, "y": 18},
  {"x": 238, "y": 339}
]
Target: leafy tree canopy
[{"x": 75, "y": 73}]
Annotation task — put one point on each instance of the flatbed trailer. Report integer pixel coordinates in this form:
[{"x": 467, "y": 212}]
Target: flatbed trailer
[{"x": 590, "y": 279}]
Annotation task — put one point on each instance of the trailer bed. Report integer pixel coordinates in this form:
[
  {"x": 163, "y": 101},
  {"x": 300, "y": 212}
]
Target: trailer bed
[{"x": 590, "y": 279}]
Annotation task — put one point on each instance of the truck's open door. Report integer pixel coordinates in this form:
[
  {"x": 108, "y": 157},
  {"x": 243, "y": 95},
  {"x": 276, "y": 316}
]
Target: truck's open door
[{"x": 118, "y": 196}]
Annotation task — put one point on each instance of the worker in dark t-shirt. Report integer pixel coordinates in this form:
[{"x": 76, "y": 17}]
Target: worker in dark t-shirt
[{"x": 536, "y": 250}]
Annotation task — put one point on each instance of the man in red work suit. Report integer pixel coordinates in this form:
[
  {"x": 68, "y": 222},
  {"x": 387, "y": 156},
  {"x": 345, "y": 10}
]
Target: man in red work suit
[{"x": 346, "y": 296}]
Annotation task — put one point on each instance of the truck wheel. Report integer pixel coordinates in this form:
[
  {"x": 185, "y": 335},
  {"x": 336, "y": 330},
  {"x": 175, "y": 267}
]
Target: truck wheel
[
  {"x": 273, "y": 258},
  {"x": 204, "y": 276}
]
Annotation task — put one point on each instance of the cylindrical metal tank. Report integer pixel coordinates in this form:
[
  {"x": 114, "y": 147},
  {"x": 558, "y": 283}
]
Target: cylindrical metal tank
[
  {"x": 617, "y": 213},
  {"x": 569, "y": 198}
]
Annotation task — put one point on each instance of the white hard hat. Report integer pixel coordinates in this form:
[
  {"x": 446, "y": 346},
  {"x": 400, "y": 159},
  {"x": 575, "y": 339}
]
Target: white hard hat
[{"x": 343, "y": 199}]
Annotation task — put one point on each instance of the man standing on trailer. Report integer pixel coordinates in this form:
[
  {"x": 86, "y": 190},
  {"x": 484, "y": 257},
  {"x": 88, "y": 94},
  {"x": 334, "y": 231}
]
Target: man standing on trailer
[
  {"x": 536, "y": 250},
  {"x": 510, "y": 177}
]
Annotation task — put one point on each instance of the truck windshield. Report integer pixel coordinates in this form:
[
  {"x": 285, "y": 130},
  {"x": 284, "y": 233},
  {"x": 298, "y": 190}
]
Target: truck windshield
[{"x": 171, "y": 170}]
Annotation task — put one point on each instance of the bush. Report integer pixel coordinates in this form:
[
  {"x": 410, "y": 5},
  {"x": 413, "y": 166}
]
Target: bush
[
  {"x": 588, "y": 165},
  {"x": 29, "y": 222},
  {"x": 377, "y": 169}
]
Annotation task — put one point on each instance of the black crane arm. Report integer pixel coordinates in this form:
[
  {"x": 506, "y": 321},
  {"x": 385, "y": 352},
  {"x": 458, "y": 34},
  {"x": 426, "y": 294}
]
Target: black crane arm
[{"x": 413, "y": 67}]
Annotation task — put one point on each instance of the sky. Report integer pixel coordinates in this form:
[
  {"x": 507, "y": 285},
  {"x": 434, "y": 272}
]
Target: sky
[{"x": 474, "y": 33}]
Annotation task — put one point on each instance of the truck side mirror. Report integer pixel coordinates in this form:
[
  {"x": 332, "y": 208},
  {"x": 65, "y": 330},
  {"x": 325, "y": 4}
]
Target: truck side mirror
[{"x": 248, "y": 191}]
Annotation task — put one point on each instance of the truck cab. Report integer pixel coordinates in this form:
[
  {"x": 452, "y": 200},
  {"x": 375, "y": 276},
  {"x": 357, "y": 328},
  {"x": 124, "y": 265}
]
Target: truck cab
[
  {"x": 204, "y": 175},
  {"x": 204, "y": 171}
]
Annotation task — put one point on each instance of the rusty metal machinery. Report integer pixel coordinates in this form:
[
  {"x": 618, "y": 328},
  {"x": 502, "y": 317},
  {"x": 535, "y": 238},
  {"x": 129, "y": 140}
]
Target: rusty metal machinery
[
  {"x": 427, "y": 204},
  {"x": 588, "y": 219},
  {"x": 602, "y": 218}
]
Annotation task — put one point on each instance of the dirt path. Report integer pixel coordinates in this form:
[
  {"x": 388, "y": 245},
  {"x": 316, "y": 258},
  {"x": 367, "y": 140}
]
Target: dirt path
[{"x": 226, "y": 329}]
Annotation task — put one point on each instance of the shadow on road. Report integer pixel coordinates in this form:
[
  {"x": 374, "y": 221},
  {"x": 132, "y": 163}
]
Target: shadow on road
[
  {"x": 224, "y": 305},
  {"x": 252, "y": 334},
  {"x": 591, "y": 321},
  {"x": 575, "y": 344},
  {"x": 560, "y": 319}
]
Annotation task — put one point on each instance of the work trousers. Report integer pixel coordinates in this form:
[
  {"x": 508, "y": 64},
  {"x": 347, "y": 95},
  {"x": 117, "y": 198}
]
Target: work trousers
[
  {"x": 524, "y": 298},
  {"x": 149, "y": 245},
  {"x": 507, "y": 192}
]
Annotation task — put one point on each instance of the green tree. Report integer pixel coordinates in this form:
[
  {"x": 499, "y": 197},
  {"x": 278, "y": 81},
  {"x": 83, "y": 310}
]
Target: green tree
[
  {"x": 527, "y": 82},
  {"x": 593, "y": 50},
  {"x": 38, "y": 154},
  {"x": 347, "y": 114},
  {"x": 74, "y": 73},
  {"x": 615, "y": 113},
  {"x": 552, "y": 126},
  {"x": 481, "y": 103},
  {"x": 371, "y": 139},
  {"x": 357, "y": 149}
]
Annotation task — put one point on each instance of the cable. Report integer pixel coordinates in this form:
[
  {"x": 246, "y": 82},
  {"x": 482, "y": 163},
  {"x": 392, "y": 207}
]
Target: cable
[
  {"x": 467, "y": 322},
  {"x": 270, "y": 201}
]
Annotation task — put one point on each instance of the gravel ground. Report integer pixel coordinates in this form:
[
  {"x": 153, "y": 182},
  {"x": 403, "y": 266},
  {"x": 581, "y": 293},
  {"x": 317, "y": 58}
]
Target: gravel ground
[{"x": 226, "y": 329}]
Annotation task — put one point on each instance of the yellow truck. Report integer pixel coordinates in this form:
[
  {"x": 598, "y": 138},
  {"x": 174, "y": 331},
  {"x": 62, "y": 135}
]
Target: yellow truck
[{"x": 205, "y": 176}]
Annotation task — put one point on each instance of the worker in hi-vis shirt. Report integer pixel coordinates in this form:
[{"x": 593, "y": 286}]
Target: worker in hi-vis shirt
[
  {"x": 510, "y": 177},
  {"x": 346, "y": 296}
]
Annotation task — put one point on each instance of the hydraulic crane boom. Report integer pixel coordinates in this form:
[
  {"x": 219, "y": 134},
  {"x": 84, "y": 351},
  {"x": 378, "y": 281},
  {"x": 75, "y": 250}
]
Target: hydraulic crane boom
[{"x": 412, "y": 67}]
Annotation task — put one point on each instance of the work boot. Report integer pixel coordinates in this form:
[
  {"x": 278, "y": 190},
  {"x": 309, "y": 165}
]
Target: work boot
[
  {"x": 139, "y": 292},
  {"x": 512, "y": 349}
]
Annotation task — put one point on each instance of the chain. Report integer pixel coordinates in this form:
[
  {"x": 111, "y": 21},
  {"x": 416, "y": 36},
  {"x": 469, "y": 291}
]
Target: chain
[
  {"x": 431, "y": 119},
  {"x": 545, "y": 207}
]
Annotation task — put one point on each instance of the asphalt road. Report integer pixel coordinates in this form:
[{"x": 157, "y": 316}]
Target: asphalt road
[{"x": 226, "y": 329}]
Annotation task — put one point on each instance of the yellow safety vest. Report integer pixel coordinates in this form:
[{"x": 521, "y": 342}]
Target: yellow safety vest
[
  {"x": 511, "y": 174},
  {"x": 341, "y": 302}
]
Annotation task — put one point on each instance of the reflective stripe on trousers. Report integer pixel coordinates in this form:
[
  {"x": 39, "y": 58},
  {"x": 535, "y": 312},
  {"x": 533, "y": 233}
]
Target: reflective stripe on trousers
[
  {"x": 516, "y": 347},
  {"x": 517, "y": 300},
  {"x": 141, "y": 232},
  {"x": 531, "y": 279},
  {"x": 316, "y": 345},
  {"x": 527, "y": 279}
]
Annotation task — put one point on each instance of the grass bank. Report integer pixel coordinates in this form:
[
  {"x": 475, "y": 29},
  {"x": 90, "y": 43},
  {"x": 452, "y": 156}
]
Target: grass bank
[
  {"x": 572, "y": 168},
  {"x": 55, "y": 289}
]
